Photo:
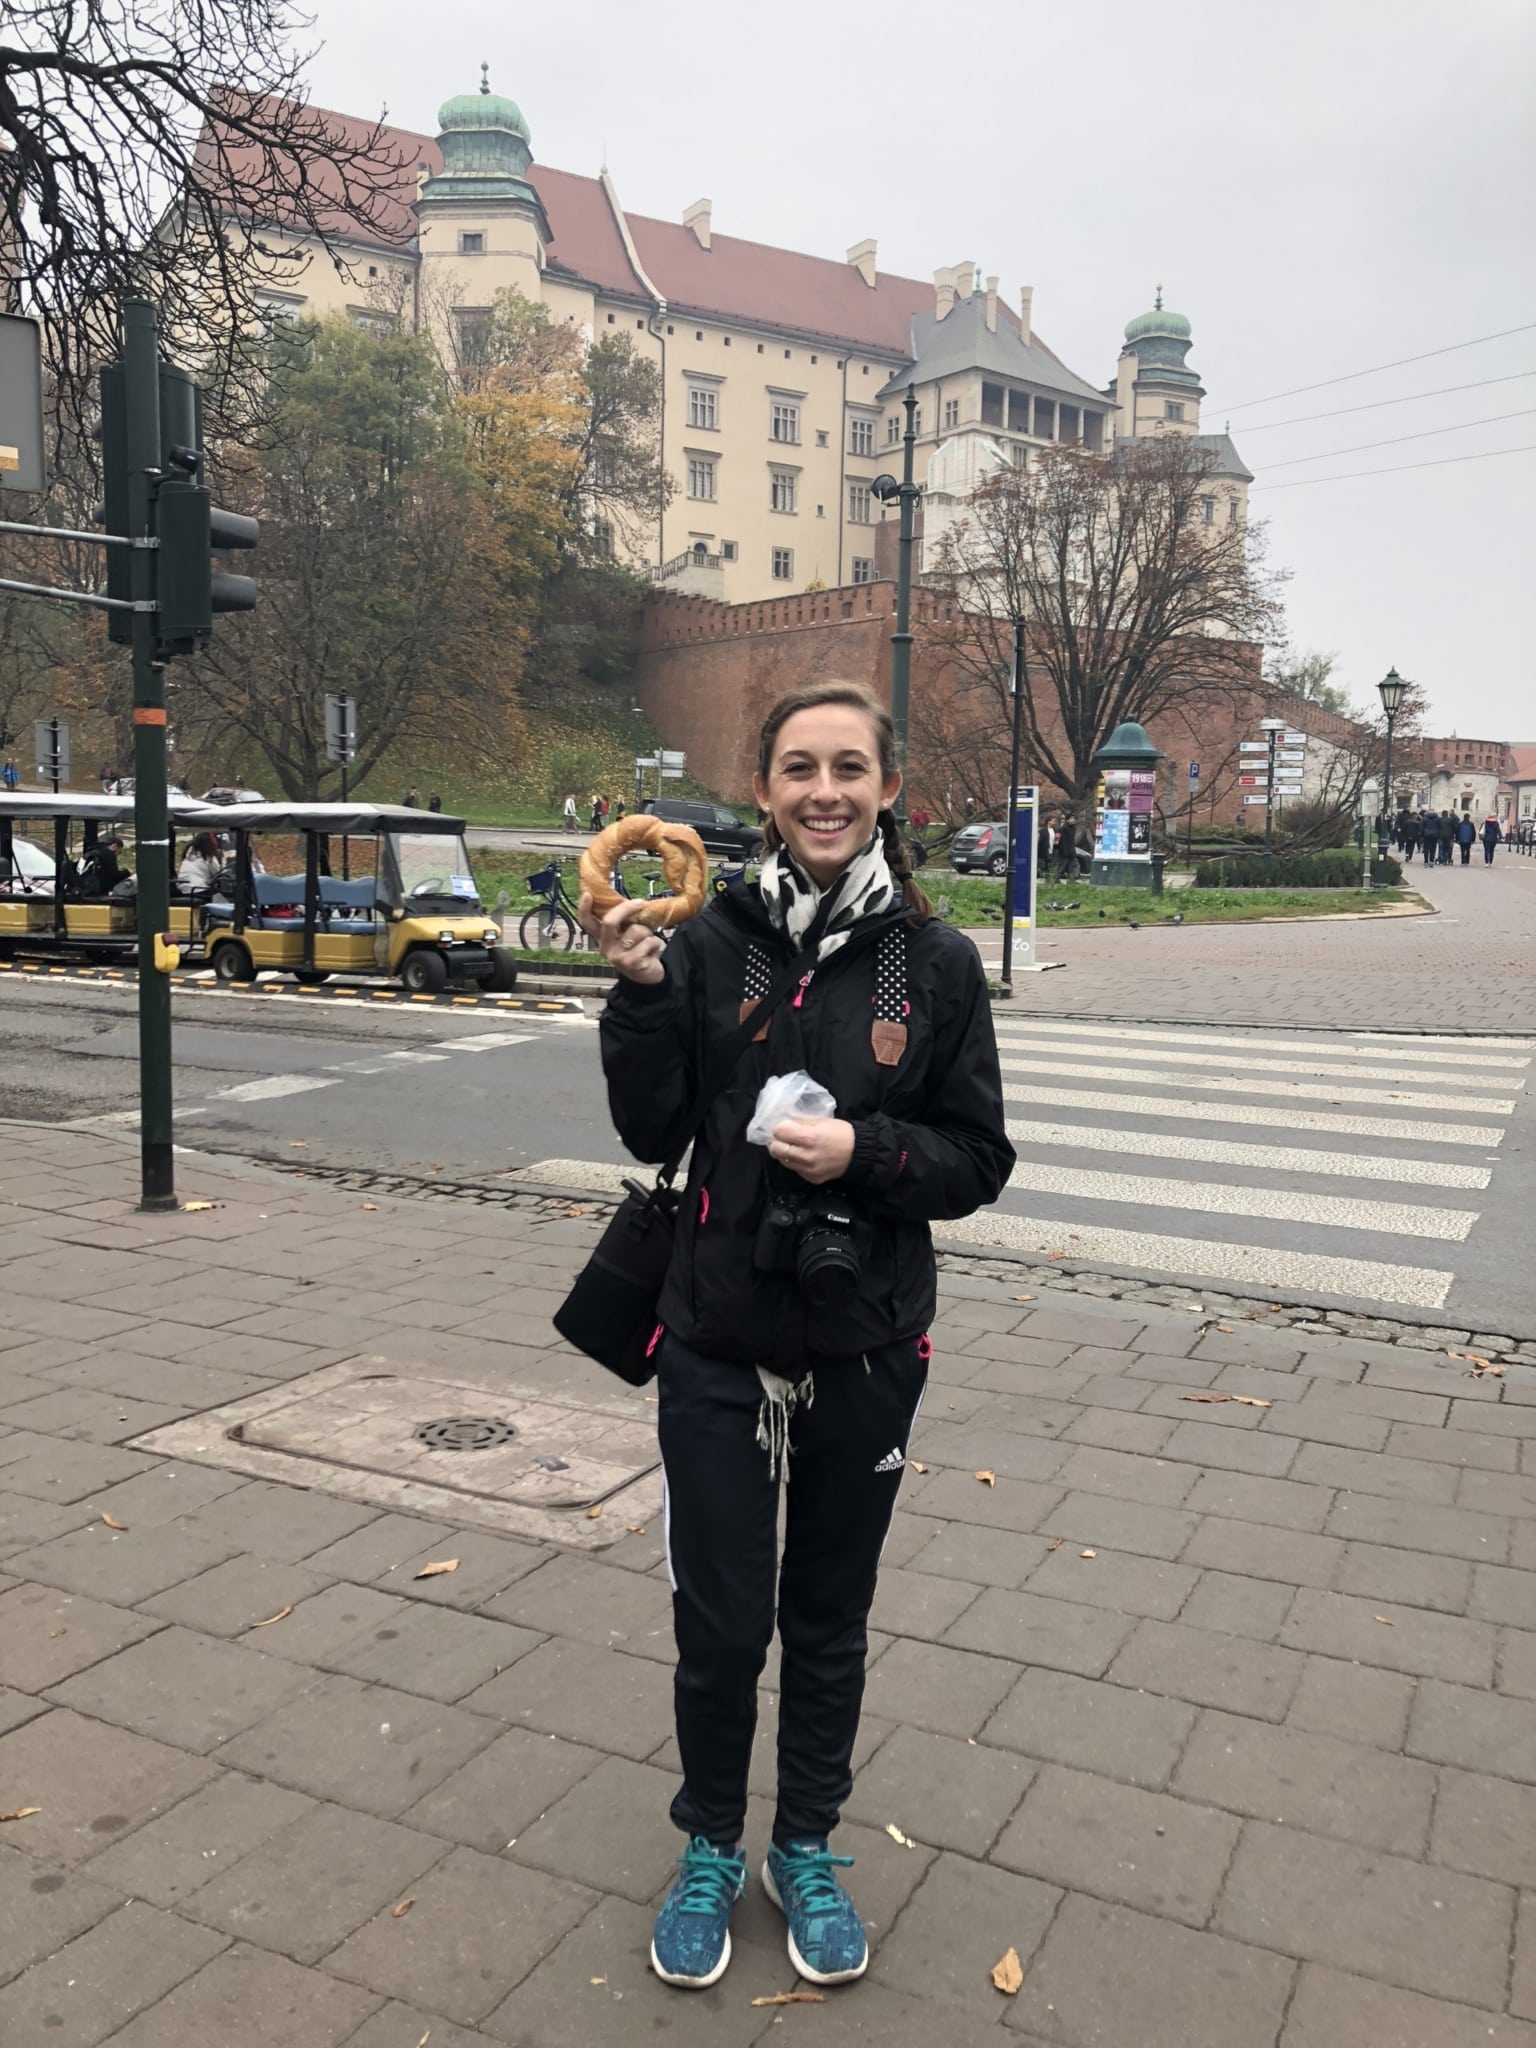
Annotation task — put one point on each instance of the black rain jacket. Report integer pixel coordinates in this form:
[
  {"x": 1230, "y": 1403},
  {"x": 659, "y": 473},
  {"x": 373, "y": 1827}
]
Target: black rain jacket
[{"x": 929, "y": 1137}]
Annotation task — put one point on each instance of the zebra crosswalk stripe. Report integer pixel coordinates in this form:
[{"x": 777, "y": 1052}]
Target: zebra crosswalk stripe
[
  {"x": 1125, "y": 1036},
  {"x": 1345, "y": 1125},
  {"x": 1408, "y": 1219},
  {"x": 1233, "y": 1084},
  {"x": 1437, "y": 1173},
  {"x": 1332, "y": 1069}
]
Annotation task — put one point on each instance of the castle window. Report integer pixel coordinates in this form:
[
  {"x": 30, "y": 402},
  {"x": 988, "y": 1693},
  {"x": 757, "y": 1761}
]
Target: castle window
[
  {"x": 703, "y": 406},
  {"x": 951, "y": 412},
  {"x": 861, "y": 437},
  {"x": 863, "y": 569},
  {"x": 701, "y": 476},
  {"x": 472, "y": 244},
  {"x": 1231, "y": 511},
  {"x": 783, "y": 565},
  {"x": 1208, "y": 511},
  {"x": 784, "y": 421},
  {"x": 991, "y": 405},
  {"x": 781, "y": 490},
  {"x": 728, "y": 551},
  {"x": 1018, "y": 412},
  {"x": 859, "y": 504},
  {"x": 893, "y": 429},
  {"x": 602, "y": 536},
  {"x": 1173, "y": 408},
  {"x": 821, "y": 437}
]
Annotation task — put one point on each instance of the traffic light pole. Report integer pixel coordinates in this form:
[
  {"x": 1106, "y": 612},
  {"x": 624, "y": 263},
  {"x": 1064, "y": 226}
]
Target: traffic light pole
[{"x": 141, "y": 377}]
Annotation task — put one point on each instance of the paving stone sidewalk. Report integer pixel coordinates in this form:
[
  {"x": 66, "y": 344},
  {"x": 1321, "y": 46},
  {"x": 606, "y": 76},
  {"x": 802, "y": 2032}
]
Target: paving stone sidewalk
[{"x": 1216, "y": 1700}]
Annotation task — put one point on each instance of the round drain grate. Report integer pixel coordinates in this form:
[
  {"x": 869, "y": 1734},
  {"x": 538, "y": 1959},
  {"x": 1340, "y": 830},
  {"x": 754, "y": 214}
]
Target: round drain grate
[{"x": 466, "y": 1433}]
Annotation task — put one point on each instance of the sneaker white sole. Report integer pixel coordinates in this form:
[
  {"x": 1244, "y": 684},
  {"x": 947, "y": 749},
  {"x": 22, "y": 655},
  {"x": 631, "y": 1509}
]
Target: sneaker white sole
[
  {"x": 694, "y": 1983},
  {"x": 801, "y": 1965}
]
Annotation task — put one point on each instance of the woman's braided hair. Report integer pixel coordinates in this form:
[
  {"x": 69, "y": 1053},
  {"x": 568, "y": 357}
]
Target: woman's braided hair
[{"x": 853, "y": 697}]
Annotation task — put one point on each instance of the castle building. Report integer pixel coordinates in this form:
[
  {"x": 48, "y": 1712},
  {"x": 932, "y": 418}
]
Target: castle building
[{"x": 782, "y": 374}]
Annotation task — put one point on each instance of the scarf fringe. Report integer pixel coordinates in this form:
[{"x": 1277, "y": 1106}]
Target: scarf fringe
[{"x": 780, "y": 1399}]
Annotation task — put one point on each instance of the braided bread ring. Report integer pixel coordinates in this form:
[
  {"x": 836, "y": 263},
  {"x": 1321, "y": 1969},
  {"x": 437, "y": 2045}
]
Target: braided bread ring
[{"x": 683, "y": 861}]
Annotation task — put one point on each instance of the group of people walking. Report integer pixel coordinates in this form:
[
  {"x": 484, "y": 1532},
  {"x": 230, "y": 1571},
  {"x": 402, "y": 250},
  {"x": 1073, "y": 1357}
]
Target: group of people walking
[
  {"x": 1057, "y": 840},
  {"x": 601, "y": 811},
  {"x": 1439, "y": 832}
]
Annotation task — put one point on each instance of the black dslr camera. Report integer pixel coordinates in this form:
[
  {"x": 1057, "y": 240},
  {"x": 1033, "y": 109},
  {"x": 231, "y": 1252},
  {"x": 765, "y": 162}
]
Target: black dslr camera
[{"x": 816, "y": 1236}]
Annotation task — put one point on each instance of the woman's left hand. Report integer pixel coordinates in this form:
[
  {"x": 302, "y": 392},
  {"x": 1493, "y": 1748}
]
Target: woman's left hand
[{"x": 818, "y": 1148}]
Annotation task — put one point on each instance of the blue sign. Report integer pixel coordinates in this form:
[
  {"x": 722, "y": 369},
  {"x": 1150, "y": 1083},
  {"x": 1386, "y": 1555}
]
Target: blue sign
[
  {"x": 1025, "y": 806},
  {"x": 1194, "y": 771}
]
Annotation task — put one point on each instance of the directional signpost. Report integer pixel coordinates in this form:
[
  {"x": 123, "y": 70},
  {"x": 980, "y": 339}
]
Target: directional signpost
[{"x": 52, "y": 752}]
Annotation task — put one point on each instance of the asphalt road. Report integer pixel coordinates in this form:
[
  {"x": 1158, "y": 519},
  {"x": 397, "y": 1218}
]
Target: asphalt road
[{"x": 1389, "y": 1174}]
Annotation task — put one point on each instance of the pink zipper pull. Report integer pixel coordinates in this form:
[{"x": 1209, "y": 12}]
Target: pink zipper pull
[{"x": 800, "y": 992}]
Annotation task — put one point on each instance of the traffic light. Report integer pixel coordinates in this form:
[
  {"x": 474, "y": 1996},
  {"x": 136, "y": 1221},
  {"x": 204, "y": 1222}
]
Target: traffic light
[{"x": 188, "y": 525}]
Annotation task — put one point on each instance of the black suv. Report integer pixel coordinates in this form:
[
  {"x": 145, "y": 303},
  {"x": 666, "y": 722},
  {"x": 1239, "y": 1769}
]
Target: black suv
[{"x": 720, "y": 829}]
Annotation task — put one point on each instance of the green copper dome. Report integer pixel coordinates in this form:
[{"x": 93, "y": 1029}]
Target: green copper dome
[
  {"x": 483, "y": 111},
  {"x": 1158, "y": 323}
]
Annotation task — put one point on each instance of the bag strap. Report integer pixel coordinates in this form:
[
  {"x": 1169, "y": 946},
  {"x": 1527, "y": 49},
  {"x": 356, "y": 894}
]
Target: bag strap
[{"x": 729, "y": 1055}]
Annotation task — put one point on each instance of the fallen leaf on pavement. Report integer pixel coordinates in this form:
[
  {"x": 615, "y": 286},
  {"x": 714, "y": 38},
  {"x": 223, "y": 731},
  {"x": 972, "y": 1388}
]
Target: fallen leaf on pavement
[
  {"x": 1008, "y": 1975},
  {"x": 282, "y": 1614},
  {"x": 897, "y": 1836},
  {"x": 54, "y": 1633},
  {"x": 597, "y": 1980},
  {"x": 1088, "y": 1553},
  {"x": 918, "y": 1468},
  {"x": 793, "y": 1998},
  {"x": 298, "y": 1144},
  {"x": 1385, "y": 1622},
  {"x": 426, "y": 2037},
  {"x": 399, "y": 1912},
  {"x": 1252, "y": 1401},
  {"x": 1481, "y": 1369},
  {"x": 370, "y": 1205},
  {"x": 191, "y": 1208},
  {"x": 593, "y": 1513},
  {"x": 1024, "y": 1297},
  {"x": 635, "y": 1528},
  {"x": 987, "y": 1478},
  {"x": 112, "y": 1523},
  {"x": 1205, "y": 1397},
  {"x": 443, "y": 1564},
  {"x": 21, "y": 1813},
  {"x": 1055, "y": 1255},
  {"x": 1225, "y": 1329}
]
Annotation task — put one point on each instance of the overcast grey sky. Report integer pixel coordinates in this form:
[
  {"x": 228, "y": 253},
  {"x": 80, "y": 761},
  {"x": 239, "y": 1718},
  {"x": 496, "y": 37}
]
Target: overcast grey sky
[{"x": 1322, "y": 188}]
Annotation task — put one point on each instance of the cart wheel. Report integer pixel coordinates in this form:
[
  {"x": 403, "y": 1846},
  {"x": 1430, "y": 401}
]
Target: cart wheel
[
  {"x": 424, "y": 972},
  {"x": 502, "y": 978},
  {"x": 231, "y": 962},
  {"x": 311, "y": 977},
  {"x": 551, "y": 928}
]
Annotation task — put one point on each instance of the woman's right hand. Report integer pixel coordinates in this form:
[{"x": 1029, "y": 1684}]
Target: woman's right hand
[{"x": 630, "y": 948}]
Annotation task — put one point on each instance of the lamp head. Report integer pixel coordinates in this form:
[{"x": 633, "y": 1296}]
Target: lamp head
[
  {"x": 885, "y": 487},
  {"x": 1391, "y": 688}
]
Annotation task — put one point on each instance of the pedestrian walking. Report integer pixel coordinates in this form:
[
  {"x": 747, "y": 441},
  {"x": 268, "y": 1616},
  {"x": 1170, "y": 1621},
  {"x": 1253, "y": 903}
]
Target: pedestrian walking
[
  {"x": 597, "y": 812},
  {"x": 1493, "y": 832},
  {"x": 1066, "y": 849},
  {"x": 1043, "y": 843},
  {"x": 1413, "y": 827},
  {"x": 618, "y": 807},
  {"x": 1429, "y": 836},
  {"x": 412, "y": 798},
  {"x": 434, "y": 803},
  {"x": 10, "y": 774},
  {"x": 1466, "y": 838},
  {"x": 570, "y": 814},
  {"x": 792, "y": 1342},
  {"x": 1447, "y": 837}
]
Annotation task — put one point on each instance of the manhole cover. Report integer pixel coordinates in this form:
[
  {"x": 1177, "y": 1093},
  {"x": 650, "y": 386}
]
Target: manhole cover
[{"x": 465, "y": 1433}]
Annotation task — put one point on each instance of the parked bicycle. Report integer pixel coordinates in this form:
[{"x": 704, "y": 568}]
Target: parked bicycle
[{"x": 552, "y": 921}]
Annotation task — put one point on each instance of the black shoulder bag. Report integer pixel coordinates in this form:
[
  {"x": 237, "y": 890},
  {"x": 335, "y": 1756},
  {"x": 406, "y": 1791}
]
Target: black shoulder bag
[{"x": 610, "y": 1313}]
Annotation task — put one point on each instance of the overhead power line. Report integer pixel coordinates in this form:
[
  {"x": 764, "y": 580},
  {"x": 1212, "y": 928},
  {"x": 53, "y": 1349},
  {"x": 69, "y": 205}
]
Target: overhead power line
[
  {"x": 1376, "y": 369},
  {"x": 1375, "y": 404},
  {"x": 1297, "y": 483},
  {"x": 1424, "y": 434}
]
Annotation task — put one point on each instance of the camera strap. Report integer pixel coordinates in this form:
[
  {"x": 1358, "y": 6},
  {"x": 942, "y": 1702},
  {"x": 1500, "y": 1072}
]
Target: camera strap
[{"x": 888, "y": 1027}]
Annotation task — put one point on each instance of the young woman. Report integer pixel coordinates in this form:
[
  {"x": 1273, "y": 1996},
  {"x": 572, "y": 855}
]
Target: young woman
[{"x": 795, "y": 1314}]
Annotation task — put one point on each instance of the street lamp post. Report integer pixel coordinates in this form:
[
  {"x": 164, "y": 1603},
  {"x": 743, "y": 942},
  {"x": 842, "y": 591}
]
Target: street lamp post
[
  {"x": 1391, "y": 688},
  {"x": 1015, "y": 851},
  {"x": 885, "y": 487}
]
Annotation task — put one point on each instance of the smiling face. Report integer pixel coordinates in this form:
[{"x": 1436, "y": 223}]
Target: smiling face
[{"x": 825, "y": 788}]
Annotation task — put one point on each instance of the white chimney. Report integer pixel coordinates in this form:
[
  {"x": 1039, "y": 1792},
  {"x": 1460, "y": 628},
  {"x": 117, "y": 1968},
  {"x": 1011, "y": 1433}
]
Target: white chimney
[
  {"x": 862, "y": 257},
  {"x": 992, "y": 303},
  {"x": 1026, "y": 310},
  {"x": 697, "y": 218},
  {"x": 965, "y": 278},
  {"x": 943, "y": 293}
]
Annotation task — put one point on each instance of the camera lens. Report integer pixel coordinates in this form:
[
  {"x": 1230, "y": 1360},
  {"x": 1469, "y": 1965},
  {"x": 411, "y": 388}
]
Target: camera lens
[{"x": 826, "y": 1266}]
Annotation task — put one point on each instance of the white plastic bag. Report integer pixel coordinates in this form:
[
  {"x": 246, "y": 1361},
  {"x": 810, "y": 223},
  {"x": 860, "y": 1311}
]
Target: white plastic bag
[{"x": 784, "y": 1096}]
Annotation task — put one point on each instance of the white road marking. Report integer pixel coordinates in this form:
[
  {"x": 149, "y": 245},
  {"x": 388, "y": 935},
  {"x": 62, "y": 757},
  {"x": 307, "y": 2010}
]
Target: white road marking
[
  {"x": 270, "y": 1086},
  {"x": 1252, "y": 1264},
  {"x": 1224, "y": 1062},
  {"x": 418, "y": 1059},
  {"x": 1435, "y": 1173},
  {"x": 1228, "y": 1084},
  {"x": 483, "y": 1041},
  {"x": 593, "y": 1174},
  {"x": 1337, "y": 1212},
  {"x": 1396, "y": 1128},
  {"x": 1010, "y": 1025}
]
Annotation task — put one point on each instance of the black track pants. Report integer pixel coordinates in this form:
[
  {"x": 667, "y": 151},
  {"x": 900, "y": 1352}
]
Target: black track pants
[{"x": 847, "y": 1454}]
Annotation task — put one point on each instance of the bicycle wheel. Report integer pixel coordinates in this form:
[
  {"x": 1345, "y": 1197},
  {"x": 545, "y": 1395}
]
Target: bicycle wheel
[{"x": 547, "y": 927}]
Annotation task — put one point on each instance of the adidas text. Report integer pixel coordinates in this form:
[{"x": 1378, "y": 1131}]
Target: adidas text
[{"x": 891, "y": 1462}]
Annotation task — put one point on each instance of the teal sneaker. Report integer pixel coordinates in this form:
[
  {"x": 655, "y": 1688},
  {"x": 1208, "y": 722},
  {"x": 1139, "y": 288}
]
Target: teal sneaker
[
  {"x": 692, "y": 1942},
  {"x": 827, "y": 1944}
]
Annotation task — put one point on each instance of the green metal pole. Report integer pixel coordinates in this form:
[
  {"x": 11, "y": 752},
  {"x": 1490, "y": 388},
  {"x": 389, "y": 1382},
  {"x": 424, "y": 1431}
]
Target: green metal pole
[
  {"x": 141, "y": 391},
  {"x": 901, "y": 639}
]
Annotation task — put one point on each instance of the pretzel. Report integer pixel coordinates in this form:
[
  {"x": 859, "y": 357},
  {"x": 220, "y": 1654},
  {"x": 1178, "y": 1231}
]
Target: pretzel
[{"x": 683, "y": 861}]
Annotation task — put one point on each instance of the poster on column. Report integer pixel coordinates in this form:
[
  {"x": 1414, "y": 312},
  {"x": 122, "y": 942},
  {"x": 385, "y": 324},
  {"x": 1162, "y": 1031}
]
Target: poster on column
[
  {"x": 1113, "y": 833},
  {"x": 1142, "y": 795}
]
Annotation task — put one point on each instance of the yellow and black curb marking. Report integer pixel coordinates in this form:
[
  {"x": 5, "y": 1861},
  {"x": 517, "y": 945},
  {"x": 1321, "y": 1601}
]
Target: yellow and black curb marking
[{"x": 281, "y": 986}]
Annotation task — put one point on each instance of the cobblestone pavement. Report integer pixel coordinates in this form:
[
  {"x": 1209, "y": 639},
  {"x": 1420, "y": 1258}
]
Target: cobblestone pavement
[
  {"x": 1215, "y": 1698},
  {"x": 1472, "y": 968}
]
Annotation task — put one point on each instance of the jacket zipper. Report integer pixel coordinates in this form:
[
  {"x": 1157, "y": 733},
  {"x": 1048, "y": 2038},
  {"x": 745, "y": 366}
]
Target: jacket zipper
[{"x": 805, "y": 983}]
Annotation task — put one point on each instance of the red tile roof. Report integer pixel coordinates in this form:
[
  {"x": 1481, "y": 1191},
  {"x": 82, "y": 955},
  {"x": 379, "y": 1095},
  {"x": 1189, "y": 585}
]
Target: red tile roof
[
  {"x": 1521, "y": 763},
  {"x": 749, "y": 282}
]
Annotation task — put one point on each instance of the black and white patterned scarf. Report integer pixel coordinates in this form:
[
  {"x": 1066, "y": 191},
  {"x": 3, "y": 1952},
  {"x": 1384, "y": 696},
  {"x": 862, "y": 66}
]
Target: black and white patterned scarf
[{"x": 864, "y": 888}]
